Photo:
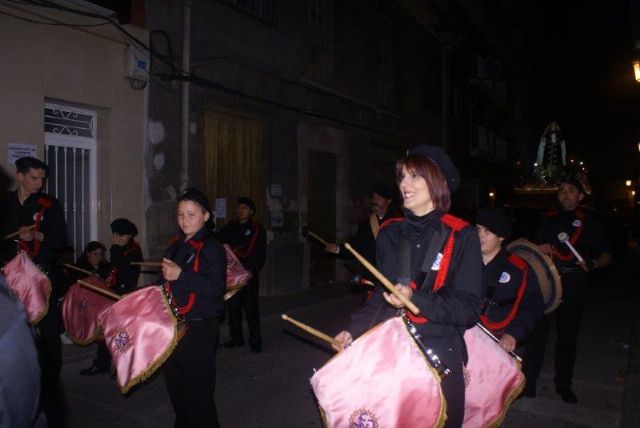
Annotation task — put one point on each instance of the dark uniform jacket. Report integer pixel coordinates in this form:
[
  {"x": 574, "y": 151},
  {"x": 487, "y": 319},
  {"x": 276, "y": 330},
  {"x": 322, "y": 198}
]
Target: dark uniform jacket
[
  {"x": 19, "y": 367},
  {"x": 364, "y": 242},
  {"x": 411, "y": 249},
  {"x": 201, "y": 284},
  {"x": 585, "y": 232},
  {"x": 124, "y": 276},
  {"x": 52, "y": 225},
  {"x": 502, "y": 278},
  {"x": 249, "y": 243}
]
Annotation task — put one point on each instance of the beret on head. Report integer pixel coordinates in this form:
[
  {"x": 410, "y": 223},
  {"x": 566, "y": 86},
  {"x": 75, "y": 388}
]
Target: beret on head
[
  {"x": 573, "y": 181},
  {"x": 496, "y": 221},
  {"x": 382, "y": 189},
  {"x": 122, "y": 226},
  {"x": 195, "y": 195},
  {"x": 248, "y": 202},
  {"x": 442, "y": 159}
]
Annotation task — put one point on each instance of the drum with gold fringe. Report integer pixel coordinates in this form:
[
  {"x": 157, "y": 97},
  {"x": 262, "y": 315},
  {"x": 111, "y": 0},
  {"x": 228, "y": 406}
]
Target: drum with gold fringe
[
  {"x": 382, "y": 380},
  {"x": 80, "y": 308},
  {"x": 141, "y": 332},
  {"x": 493, "y": 379},
  {"x": 30, "y": 285}
]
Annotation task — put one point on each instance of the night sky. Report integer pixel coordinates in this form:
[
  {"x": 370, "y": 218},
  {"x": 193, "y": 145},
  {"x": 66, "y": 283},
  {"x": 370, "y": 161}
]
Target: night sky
[{"x": 581, "y": 55}]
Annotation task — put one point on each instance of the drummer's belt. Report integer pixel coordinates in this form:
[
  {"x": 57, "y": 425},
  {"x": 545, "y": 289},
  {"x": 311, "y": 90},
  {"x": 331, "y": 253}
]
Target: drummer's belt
[{"x": 432, "y": 357}]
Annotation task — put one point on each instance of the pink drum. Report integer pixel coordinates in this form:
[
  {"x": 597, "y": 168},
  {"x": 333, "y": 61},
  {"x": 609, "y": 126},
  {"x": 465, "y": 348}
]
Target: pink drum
[
  {"x": 141, "y": 332},
  {"x": 493, "y": 380},
  {"x": 237, "y": 275},
  {"x": 80, "y": 309},
  {"x": 30, "y": 285},
  {"x": 382, "y": 380}
]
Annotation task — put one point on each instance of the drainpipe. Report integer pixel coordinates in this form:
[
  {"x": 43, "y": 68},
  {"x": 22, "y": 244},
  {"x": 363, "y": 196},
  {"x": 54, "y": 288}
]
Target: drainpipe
[{"x": 184, "y": 130}]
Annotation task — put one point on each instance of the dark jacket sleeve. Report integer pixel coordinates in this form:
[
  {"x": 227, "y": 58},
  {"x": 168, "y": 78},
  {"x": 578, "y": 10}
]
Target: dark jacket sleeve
[
  {"x": 55, "y": 232},
  {"x": 530, "y": 311},
  {"x": 209, "y": 281},
  {"x": 376, "y": 309},
  {"x": 127, "y": 275},
  {"x": 458, "y": 301}
]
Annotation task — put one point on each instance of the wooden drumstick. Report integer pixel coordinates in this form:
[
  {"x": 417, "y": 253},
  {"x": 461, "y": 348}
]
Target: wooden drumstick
[
  {"x": 491, "y": 335},
  {"x": 99, "y": 290},
  {"x": 70, "y": 266},
  {"x": 147, "y": 263},
  {"x": 18, "y": 232},
  {"x": 317, "y": 238},
  {"x": 312, "y": 331},
  {"x": 408, "y": 303}
]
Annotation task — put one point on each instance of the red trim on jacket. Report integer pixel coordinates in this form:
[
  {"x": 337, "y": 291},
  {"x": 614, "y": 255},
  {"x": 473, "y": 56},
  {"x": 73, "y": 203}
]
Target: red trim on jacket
[
  {"x": 498, "y": 326},
  {"x": 246, "y": 253},
  {"x": 455, "y": 224},
  {"x": 390, "y": 221},
  {"x": 573, "y": 239},
  {"x": 44, "y": 203}
]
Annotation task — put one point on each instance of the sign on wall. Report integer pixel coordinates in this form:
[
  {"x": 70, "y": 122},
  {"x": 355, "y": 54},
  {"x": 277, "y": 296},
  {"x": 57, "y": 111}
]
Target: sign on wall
[{"x": 16, "y": 151}]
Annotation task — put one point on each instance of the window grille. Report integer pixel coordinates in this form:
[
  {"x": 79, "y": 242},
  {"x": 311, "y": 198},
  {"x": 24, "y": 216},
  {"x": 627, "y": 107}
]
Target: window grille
[{"x": 70, "y": 153}]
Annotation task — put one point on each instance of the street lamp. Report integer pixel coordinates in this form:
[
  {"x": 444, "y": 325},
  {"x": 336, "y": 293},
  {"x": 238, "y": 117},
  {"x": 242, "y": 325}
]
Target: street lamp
[
  {"x": 636, "y": 70},
  {"x": 627, "y": 183}
]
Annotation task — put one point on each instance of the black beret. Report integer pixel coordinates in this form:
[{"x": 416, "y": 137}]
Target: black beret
[
  {"x": 248, "y": 202},
  {"x": 382, "y": 189},
  {"x": 573, "y": 181},
  {"x": 122, "y": 226},
  {"x": 195, "y": 195},
  {"x": 496, "y": 221},
  {"x": 442, "y": 159}
]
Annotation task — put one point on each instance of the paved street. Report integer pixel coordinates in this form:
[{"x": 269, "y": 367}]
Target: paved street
[{"x": 271, "y": 389}]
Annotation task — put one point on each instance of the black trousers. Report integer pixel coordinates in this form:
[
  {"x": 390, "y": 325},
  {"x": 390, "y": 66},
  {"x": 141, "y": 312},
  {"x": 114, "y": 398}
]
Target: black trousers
[
  {"x": 190, "y": 376},
  {"x": 247, "y": 299},
  {"x": 451, "y": 349},
  {"x": 568, "y": 316},
  {"x": 50, "y": 356}
]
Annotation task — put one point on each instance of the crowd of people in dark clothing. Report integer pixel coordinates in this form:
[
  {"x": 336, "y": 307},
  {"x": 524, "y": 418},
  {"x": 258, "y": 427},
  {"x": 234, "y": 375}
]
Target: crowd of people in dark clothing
[{"x": 455, "y": 273}]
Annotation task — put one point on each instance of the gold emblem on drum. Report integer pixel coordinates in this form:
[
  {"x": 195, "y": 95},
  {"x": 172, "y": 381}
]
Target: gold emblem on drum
[{"x": 363, "y": 418}]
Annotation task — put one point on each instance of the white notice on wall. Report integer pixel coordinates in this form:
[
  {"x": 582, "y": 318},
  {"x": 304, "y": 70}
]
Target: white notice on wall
[
  {"x": 220, "y": 210},
  {"x": 16, "y": 151}
]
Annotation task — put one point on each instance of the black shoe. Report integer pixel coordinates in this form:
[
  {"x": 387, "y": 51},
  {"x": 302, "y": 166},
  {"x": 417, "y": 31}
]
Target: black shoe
[
  {"x": 231, "y": 344},
  {"x": 567, "y": 395},
  {"x": 94, "y": 370}
]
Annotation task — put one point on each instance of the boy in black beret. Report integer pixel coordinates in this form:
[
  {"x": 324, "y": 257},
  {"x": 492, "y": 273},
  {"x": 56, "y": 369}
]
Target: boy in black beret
[
  {"x": 248, "y": 240},
  {"x": 122, "y": 278},
  {"x": 513, "y": 304}
]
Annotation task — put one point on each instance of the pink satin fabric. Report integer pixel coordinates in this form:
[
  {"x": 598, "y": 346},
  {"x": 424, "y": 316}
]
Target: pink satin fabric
[
  {"x": 493, "y": 380},
  {"x": 381, "y": 380},
  {"x": 30, "y": 285},
  {"x": 237, "y": 275},
  {"x": 140, "y": 332},
  {"x": 80, "y": 309}
]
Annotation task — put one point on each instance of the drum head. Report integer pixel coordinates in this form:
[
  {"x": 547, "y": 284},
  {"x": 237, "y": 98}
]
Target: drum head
[{"x": 545, "y": 270}]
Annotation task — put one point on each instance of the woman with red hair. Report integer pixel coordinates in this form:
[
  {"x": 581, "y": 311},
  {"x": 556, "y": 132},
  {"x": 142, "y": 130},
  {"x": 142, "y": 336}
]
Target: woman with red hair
[{"x": 434, "y": 260}]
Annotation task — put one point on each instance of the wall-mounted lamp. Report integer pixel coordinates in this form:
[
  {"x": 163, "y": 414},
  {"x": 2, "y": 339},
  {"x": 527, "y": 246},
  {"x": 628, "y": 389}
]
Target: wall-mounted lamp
[
  {"x": 636, "y": 70},
  {"x": 627, "y": 183}
]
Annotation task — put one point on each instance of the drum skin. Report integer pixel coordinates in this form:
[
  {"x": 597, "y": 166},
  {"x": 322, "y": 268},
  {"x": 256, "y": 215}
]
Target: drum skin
[
  {"x": 382, "y": 380},
  {"x": 546, "y": 272}
]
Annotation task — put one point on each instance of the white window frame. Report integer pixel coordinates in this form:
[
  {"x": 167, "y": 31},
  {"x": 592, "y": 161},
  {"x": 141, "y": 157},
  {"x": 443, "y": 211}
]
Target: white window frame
[{"x": 76, "y": 142}]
